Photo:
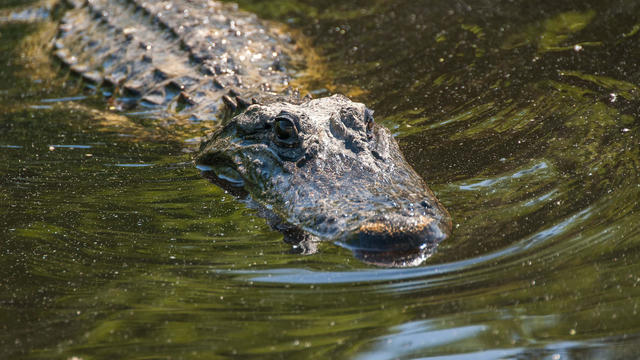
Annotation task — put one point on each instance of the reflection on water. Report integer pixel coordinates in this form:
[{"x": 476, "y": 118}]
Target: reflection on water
[{"x": 523, "y": 116}]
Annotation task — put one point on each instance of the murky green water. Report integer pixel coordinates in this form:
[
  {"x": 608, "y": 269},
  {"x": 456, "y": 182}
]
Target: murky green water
[{"x": 522, "y": 116}]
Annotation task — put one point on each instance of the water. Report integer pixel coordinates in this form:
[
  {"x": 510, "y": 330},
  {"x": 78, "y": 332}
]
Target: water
[{"x": 522, "y": 116}]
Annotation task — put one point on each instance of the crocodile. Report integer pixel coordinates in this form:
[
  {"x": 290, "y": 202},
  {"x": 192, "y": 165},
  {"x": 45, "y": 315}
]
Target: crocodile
[{"x": 317, "y": 169}]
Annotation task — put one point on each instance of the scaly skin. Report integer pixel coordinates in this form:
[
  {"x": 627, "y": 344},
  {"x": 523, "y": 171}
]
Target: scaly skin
[
  {"x": 323, "y": 168},
  {"x": 176, "y": 57},
  {"x": 326, "y": 167}
]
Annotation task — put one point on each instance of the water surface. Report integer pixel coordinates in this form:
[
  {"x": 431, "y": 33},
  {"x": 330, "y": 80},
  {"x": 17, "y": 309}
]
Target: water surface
[{"x": 522, "y": 116}]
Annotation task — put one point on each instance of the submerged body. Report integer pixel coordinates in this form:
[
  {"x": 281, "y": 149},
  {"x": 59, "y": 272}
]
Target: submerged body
[{"x": 321, "y": 166}]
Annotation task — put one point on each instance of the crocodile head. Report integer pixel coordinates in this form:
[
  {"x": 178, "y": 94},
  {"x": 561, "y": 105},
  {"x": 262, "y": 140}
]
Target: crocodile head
[{"x": 326, "y": 167}]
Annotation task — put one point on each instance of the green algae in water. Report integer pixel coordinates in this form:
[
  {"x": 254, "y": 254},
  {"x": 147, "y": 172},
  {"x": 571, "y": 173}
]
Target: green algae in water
[{"x": 531, "y": 142}]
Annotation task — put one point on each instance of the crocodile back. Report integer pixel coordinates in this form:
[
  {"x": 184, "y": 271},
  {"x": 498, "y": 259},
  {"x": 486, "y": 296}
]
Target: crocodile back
[{"x": 179, "y": 56}]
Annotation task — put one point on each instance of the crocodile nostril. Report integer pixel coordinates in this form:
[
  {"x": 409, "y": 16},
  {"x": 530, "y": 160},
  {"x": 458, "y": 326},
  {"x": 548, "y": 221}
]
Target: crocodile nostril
[
  {"x": 396, "y": 232},
  {"x": 396, "y": 225}
]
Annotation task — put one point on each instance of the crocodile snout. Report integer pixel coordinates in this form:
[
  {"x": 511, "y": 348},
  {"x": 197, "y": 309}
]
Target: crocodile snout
[{"x": 395, "y": 239}]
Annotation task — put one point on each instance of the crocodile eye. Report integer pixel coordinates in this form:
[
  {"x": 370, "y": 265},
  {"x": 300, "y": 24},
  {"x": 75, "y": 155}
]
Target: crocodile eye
[
  {"x": 368, "y": 118},
  {"x": 285, "y": 129},
  {"x": 286, "y": 132}
]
